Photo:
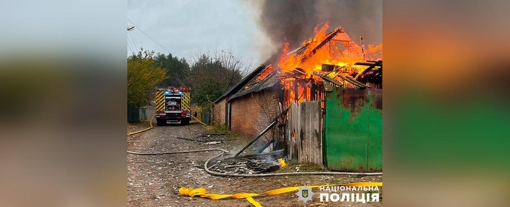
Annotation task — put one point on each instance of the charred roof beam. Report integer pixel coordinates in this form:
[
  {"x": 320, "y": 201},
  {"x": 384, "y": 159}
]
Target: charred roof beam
[
  {"x": 328, "y": 38},
  {"x": 327, "y": 78}
]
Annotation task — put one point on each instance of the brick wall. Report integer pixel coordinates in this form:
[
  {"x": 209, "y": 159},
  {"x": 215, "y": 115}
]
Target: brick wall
[
  {"x": 220, "y": 109},
  {"x": 252, "y": 113}
]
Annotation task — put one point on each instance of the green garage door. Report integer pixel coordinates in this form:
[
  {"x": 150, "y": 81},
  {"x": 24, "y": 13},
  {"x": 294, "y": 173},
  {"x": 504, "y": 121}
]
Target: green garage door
[{"x": 353, "y": 130}]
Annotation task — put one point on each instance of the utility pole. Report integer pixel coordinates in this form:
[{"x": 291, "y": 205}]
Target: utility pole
[{"x": 129, "y": 29}]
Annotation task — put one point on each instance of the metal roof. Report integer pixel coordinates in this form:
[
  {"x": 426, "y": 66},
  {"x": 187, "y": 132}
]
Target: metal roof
[
  {"x": 241, "y": 83},
  {"x": 268, "y": 82}
]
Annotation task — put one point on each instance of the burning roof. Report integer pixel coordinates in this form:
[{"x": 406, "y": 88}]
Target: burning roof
[
  {"x": 333, "y": 57},
  {"x": 335, "y": 48},
  {"x": 329, "y": 56},
  {"x": 265, "y": 79}
]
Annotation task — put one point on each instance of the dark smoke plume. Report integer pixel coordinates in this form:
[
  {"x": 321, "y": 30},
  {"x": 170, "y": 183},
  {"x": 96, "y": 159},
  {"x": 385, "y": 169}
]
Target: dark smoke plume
[{"x": 293, "y": 21}]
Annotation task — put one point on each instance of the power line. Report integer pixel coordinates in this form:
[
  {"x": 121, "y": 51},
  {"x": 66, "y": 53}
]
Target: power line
[
  {"x": 133, "y": 41},
  {"x": 131, "y": 28},
  {"x": 129, "y": 47},
  {"x": 148, "y": 36}
]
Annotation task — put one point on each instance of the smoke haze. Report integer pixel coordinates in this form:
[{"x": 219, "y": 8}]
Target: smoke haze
[{"x": 293, "y": 21}]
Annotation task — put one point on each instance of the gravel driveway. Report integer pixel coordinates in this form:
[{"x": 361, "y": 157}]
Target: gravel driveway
[{"x": 154, "y": 180}]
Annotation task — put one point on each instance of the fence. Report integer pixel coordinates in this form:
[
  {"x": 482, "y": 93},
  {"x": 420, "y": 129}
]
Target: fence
[
  {"x": 147, "y": 112},
  {"x": 304, "y": 132},
  {"x": 353, "y": 130}
]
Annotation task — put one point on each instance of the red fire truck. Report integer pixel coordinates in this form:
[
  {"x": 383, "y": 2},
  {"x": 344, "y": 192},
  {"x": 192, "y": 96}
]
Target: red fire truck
[{"x": 173, "y": 106}]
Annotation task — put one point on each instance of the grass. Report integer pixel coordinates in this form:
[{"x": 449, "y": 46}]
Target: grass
[
  {"x": 303, "y": 167},
  {"x": 218, "y": 128}
]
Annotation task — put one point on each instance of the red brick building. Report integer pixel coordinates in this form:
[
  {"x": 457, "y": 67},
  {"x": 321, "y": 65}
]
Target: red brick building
[
  {"x": 220, "y": 113},
  {"x": 248, "y": 108}
]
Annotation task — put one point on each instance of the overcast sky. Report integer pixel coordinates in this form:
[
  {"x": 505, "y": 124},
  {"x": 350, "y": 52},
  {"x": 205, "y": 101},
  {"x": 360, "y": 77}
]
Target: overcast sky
[{"x": 184, "y": 27}]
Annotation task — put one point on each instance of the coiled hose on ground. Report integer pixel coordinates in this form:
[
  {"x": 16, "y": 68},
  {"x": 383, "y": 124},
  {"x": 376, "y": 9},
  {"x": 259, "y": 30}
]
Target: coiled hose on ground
[
  {"x": 178, "y": 152},
  {"x": 279, "y": 174},
  {"x": 223, "y": 152}
]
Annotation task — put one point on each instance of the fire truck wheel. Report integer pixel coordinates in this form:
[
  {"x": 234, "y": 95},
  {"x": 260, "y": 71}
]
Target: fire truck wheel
[
  {"x": 161, "y": 123},
  {"x": 185, "y": 121}
]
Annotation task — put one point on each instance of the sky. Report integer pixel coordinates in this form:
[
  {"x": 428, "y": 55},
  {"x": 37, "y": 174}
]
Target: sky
[{"x": 184, "y": 27}]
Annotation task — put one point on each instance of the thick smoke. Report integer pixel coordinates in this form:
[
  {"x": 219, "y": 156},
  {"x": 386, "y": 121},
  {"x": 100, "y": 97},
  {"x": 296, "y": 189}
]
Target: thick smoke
[{"x": 293, "y": 21}]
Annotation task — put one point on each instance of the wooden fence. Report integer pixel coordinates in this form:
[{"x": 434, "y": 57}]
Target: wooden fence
[{"x": 304, "y": 132}]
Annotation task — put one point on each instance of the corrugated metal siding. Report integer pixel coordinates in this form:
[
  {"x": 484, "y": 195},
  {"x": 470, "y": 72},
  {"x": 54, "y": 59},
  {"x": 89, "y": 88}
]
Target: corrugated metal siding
[{"x": 353, "y": 130}]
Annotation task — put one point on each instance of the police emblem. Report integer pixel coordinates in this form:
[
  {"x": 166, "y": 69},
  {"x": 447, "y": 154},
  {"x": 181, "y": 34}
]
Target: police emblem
[{"x": 304, "y": 194}]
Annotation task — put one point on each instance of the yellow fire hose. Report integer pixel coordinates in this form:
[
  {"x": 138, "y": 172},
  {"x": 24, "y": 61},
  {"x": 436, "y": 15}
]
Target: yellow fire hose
[
  {"x": 140, "y": 131},
  {"x": 249, "y": 196},
  {"x": 150, "y": 127},
  {"x": 198, "y": 120}
]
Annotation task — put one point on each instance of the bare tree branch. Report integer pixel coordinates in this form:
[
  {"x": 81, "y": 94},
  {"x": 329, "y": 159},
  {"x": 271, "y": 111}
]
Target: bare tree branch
[{"x": 224, "y": 67}]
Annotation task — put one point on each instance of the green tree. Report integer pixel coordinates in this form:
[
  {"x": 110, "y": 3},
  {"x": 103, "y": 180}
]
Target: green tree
[
  {"x": 176, "y": 68},
  {"x": 142, "y": 77},
  {"x": 212, "y": 75}
]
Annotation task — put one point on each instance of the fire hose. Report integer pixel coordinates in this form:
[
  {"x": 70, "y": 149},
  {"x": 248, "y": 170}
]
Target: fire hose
[
  {"x": 150, "y": 126},
  {"x": 279, "y": 174},
  {"x": 248, "y": 196},
  {"x": 178, "y": 152},
  {"x": 198, "y": 120},
  {"x": 206, "y": 168},
  {"x": 146, "y": 129},
  {"x": 202, "y": 192}
]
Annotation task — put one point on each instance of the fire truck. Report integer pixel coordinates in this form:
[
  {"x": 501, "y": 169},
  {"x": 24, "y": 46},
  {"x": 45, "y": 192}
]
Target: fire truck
[{"x": 173, "y": 106}]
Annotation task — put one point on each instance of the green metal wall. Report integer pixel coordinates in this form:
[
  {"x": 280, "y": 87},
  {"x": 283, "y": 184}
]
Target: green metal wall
[{"x": 353, "y": 130}]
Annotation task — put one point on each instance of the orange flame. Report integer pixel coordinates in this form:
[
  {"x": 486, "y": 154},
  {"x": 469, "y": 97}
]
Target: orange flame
[
  {"x": 282, "y": 162},
  {"x": 266, "y": 72},
  {"x": 375, "y": 52},
  {"x": 334, "y": 48}
]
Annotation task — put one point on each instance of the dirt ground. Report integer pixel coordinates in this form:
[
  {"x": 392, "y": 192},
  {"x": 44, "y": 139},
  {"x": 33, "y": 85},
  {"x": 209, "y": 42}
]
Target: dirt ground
[{"x": 154, "y": 180}]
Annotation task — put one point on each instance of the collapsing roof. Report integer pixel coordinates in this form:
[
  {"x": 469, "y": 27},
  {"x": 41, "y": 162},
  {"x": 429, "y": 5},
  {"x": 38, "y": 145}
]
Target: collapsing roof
[
  {"x": 241, "y": 83},
  {"x": 339, "y": 67},
  {"x": 265, "y": 79},
  {"x": 335, "y": 34},
  {"x": 372, "y": 74},
  {"x": 266, "y": 83}
]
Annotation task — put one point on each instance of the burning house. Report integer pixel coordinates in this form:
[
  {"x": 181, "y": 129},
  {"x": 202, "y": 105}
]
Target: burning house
[
  {"x": 329, "y": 92},
  {"x": 331, "y": 57}
]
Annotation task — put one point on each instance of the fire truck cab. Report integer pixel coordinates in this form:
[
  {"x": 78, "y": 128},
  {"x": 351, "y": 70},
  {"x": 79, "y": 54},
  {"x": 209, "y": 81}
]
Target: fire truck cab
[{"x": 173, "y": 106}]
